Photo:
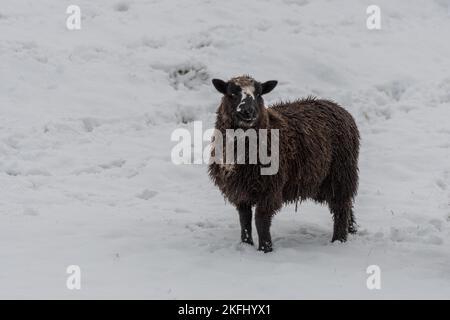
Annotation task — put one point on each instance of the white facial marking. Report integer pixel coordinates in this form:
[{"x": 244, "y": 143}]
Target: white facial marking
[
  {"x": 245, "y": 92},
  {"x": 249, "y": 90}
]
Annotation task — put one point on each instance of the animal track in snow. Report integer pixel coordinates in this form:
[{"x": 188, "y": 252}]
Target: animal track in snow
[
  {"x": 394, "y": 89},
  {"x": 90, "y": 124},
  {"x": 147, "y": 194},
  {"x": 99, "y": 168},
  {"x": 30, "y": 212},
  {"x": 420, "y": 234},
  {"x": 113, "y": 164},
  {"x": 122, "y": 6},
  {"x": 190, "y": 76}
]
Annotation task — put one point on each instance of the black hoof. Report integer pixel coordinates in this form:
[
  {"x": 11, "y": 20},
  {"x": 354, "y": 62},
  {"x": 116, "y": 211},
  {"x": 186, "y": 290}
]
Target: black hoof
[
  {"x": 266, "y": 247},
  {"x": 247, "y": 241},
  {"x": 352, "y": 229},
  {"x": 339, "y": 238}
]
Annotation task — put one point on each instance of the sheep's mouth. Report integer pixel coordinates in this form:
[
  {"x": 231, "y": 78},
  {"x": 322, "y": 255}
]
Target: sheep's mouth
[{"x": 246, "y": 121}]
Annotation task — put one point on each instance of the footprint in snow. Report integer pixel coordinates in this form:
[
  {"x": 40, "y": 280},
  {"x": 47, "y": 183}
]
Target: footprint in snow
[
  {"x": 416, "y": 235},
  {"x": 147, "y": 194},
  {"x": 30, "y": 212},
  {"x": 122, "y": 6},
  {"x": 113, "y": 164},
  {"x": 441, "y": 184}
]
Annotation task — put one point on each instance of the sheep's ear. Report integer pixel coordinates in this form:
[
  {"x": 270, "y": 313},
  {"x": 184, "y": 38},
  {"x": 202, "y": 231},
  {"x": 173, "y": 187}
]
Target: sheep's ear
[
  {"x": 268, "y": 86},
  {"x": 220, "y": 85}
]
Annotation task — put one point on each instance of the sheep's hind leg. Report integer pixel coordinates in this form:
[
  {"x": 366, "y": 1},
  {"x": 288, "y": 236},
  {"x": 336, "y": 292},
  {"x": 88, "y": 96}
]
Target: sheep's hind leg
[
  {"x": 262, "y": 220},
  {"x": 342, "y": 213},
  {"x": 245, "y": 217},
  {"x": 352, "y": 225}
]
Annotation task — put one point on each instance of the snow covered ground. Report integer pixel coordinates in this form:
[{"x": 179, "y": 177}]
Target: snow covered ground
[{"x": 86, "y": 176}]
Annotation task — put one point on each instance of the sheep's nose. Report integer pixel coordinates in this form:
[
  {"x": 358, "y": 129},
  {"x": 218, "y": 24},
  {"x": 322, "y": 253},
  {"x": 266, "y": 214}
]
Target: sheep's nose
[{"x": 247, "y": 113}]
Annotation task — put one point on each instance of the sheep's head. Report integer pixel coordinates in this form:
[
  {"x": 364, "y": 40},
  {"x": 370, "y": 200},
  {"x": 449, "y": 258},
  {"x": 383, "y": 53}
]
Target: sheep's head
[{"x": 243, "y": 100}]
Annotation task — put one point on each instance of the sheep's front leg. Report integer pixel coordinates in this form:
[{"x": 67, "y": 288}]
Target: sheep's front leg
[
  {"x": 245, "y": 217},
  {"x": 263, "y": 218}
]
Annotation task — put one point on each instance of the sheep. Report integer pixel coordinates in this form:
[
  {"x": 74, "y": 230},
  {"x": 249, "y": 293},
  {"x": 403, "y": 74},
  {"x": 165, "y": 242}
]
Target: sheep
[{"x": 318, "y": 158}]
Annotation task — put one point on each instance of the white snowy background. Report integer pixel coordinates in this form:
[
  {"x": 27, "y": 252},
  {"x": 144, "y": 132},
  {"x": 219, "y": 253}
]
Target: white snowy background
[{"x": 86, "y": 176}]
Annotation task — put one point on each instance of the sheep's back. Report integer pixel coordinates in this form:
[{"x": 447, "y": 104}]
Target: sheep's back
[
  {"x": 313, "y": 135},
  {"x": 322, "y": 119}
]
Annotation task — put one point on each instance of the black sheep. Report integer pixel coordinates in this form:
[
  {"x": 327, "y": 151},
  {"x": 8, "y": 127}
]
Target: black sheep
[{"x": 318, "y": 157}]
